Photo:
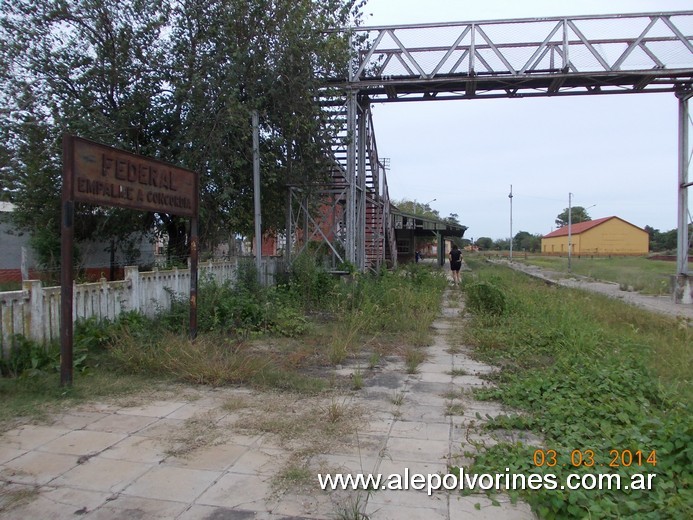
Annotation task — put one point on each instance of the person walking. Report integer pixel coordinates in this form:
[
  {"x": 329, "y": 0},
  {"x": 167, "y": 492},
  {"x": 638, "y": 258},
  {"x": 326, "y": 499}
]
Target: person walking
[{"x": 455, "y": 264}]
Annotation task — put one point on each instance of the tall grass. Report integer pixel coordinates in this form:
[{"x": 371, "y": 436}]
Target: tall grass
[
  {"x": 595, "y": 374},
  {"x": 400, "y": 304},
  {"x": 637, "y": 273}
]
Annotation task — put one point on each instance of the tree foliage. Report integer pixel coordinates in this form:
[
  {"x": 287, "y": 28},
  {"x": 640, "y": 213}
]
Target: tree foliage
[
  {"x": 414, "y": 207},
  {"x": 525, "y": 241},
  {"x": 176, "y": 80},
  {"x": 484, "y": 243},
  {"x": 577, "y": 214},
  {"x": 665, "y": 240}
]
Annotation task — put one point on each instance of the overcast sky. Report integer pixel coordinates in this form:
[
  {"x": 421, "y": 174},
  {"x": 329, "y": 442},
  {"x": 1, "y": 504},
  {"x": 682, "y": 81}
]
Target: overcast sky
[{"x": 618, "y": 152}]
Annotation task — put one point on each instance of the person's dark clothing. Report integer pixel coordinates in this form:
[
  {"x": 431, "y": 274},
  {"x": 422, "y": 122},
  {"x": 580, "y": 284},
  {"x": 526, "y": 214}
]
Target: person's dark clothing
[{"x": 455, "y": 260}]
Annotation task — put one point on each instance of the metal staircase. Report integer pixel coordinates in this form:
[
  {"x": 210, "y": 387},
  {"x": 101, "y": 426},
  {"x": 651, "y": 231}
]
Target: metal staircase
[{"x": 350, "y": 213}]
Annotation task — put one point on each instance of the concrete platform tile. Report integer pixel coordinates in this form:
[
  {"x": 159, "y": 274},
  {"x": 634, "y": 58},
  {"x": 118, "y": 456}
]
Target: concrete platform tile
[
  {"x": 317, "y": 506},
  {"x": 233, "y": 490},
  {"x": 172, "y": 483},
  {"x": 416, "y": 499},
  {"x": 443, "y": 325},
  {"x": 8, "y": 453},
  {"x": 472, "y": 367},
  {"x": 397, "y": 512},
  {"x": 41, "y": 506},
  {"x": 427, "y": 399},
  {"x": 197, "y": 512},
  {"x": 119, "y": 423},
  {"x": 417, "y": 449},
  {"x": 421, "y": 430},
  {"x": 82, "y": 442},
  {"x": 259, "y": 462},
  {"x": 100, "y": 474},
  {"x": 127, "y": 507},
  {"x": 379, "y": 423},
  {"x": 440, "y": 358},
  {"x": 495, "y": 437},
  {"x": 343, "y": 464},
  {"x": 78, "y": 499},
  {"x": 161, "y": 429},
  {"x": 363, "y": 444},
  {"x": 36, "y": 467},
  {"x": 77, "y": 420},
  {"x": 389, "y": 466},
  {"x": 30, "y": 437},
  {"x": 213, "y": 458},
  {"x": 431, "y": 388},
  {"x": 466, "y": 507},
  {"x": 430, "y": 414},
  {"x": 136, "y": 448},
  {"x": 97, "y": 407},
  {"x": 435, "y": 377},
  {"x": 203, "y": 406},
  {"x": 469, "y": 380},
  {"x": 158, "y": 409}
]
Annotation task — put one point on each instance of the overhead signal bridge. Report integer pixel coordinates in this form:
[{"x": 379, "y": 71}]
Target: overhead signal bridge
[{"x": 538, "y": 57}]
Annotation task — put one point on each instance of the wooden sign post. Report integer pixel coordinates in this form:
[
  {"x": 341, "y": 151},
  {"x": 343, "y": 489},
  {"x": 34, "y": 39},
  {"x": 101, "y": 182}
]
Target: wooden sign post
[{"x": 106, "y": 176}]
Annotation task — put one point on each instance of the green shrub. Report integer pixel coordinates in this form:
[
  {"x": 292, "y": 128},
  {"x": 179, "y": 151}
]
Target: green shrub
[
  {"x": 309, "y": 284},
  {"x": 485, "y": 298},
  {"x": 28, "y": 358}
]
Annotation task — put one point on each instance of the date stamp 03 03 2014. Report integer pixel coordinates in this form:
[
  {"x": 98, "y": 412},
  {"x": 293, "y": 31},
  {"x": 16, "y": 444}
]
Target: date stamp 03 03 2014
[{"x": 588, "y": 458}]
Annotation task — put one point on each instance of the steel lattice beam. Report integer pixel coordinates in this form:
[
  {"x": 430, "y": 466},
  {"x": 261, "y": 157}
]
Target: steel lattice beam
[
  {"x": 513, "y": 58},
  {"x": 583, "y": 55}
]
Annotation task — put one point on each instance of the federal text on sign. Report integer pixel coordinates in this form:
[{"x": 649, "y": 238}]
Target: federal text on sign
[{"x": 105, "y": 175}]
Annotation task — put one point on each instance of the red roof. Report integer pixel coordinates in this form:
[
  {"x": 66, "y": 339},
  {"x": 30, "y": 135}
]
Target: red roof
[{"x": 581, "y": 227}]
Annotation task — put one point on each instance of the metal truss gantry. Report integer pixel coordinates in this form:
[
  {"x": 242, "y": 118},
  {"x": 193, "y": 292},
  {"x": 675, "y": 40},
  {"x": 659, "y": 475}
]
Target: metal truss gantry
[{"x": 564, "y": 56}]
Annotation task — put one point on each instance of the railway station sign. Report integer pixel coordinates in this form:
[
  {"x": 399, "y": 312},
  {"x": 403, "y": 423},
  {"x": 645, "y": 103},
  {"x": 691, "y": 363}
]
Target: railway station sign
[{"x": 107, "y": 176}]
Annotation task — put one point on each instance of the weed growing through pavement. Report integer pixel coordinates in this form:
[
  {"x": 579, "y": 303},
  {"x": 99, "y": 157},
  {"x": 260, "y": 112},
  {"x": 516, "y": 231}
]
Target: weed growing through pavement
[
  {"x": 454, "y": 409},
  {"x": 294, "y": 476},
  {"x": 357, "y": 380},
  {"x": 353, "y": 508},
  {"x": 398, "y": 398},
  {"x": 197, "y": 432},
  {"x": 413, "y": 357},
  {"x": 374, "y": 360},
  {"x": 12, "y": 497},
  {"x": 234, "y": 403}
]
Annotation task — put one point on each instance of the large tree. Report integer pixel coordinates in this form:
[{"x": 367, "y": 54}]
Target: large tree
[
  {"x": 176, "y": 80},
  {"x": 577, "y": 214},
  {"x": 525, "y": 241}
]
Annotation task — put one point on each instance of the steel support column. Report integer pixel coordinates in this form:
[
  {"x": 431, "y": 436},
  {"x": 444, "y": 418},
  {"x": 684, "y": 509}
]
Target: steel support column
[
  {"x": 361, "y": 189},
  {"x": 351, "y": 206},
  {"x": 441, "y": 249},
  {"x": 683, "y": 289}
]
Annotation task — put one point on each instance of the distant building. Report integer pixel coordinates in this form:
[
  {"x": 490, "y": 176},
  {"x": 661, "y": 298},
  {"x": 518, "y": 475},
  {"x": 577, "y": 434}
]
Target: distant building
[
  {"x": 604, "y": 236},
  {"x": 16, "y": 253}
]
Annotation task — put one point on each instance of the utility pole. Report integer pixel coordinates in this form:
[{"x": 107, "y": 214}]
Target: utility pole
[
  {"x": 256, "y": 192},
  {"x": 511, "y": 222},
  {"x": 570, "y": 225}
]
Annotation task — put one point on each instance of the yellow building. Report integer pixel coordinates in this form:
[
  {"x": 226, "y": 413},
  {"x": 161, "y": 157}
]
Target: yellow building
[{"x": 604, "y": 236}]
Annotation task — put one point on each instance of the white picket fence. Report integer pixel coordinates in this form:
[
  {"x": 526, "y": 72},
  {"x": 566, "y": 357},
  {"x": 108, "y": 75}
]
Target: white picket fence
[{"x": 34, "y": 311}]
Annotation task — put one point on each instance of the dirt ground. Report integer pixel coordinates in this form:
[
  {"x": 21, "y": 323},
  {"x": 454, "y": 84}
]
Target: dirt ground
[{"x": 659, "y": 304}]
